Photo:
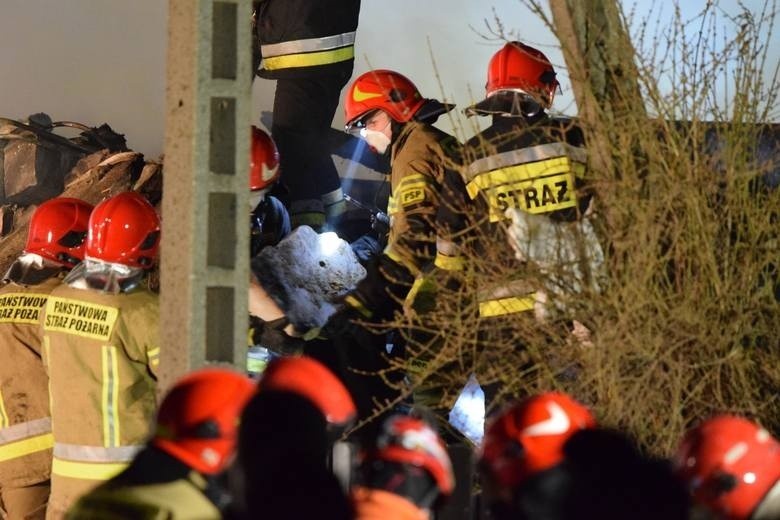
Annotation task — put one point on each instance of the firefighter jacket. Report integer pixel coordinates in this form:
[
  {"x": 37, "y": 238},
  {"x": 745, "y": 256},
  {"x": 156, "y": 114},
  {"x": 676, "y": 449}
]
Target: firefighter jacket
[
  {"x": 424, "y": 179},
  {"x": 101, "y": 351},
  {"x": 155, "y": 486},
  {"x": 378, "y": 504},
  {"x": 305, "y": 38},
  {"x": 25, "y": 425},
  {"x": 536, "y": 165}
]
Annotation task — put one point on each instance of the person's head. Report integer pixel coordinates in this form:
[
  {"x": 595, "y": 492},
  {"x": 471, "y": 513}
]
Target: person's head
[
  {"x": 732, "y": 467},
  {"x": 408, "y": 458},
  {"x": 376, "y": 100},
  {"x": 527, "y": 438},
  {"x": 263, "y": 165},
  {"x": 58, "y": 230},
  {"x": 197, "y": 422},
  {"x": 314, "y": 382},
  {"x": 123, "y": 241},
  {"x": 520, "y": 82}
]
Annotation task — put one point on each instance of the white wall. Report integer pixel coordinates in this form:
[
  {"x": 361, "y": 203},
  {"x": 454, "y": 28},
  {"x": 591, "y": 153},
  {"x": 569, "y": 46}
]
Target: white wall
[{"x": 98, "y": 61}]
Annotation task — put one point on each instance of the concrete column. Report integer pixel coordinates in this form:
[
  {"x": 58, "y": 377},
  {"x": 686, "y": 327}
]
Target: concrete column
[{"x": 205, "y": 214}]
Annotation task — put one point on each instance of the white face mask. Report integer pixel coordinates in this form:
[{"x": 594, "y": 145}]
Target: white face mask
[
  {"x": 255, "y": 198},
  {"x": 377, "y": 140}
]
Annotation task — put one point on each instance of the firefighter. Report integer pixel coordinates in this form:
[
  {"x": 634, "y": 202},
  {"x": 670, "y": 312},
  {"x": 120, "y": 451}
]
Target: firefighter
[
  {"x": 101, "y": 350},
  {"x": 286, "y": 433},
  {"x": 269, "y": 220},
  {"x": 525, "y": 160},
  {"x": 55, "y": 244},
  {"x": 176, "y": 475},
  {"x": 307, "y": 46},
  {"x": 545, "y": 459},
  {"x": 405, "y": 475},
  {"x": 732, "y": 468},
  {"x": 387, "y": 110},
  {"x": 526, "y": 439}
]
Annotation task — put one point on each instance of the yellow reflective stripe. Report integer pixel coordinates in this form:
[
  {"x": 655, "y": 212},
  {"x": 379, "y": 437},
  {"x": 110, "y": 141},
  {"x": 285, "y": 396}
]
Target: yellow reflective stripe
[
  {"x": 392, "y": 205},
  {"x": 506, "y": 306},
  {"x": 154, "y": 356},
  {"x": 309, "y": 59},
  {"x": 110, "y": 393},
  {"x": 4, "y": 422},
  {"x": 526, "y": 155},
  {"x": 17, "y": 449},
  {"x": 521, "y": 172},
  {"x": 390, "y": 253},
  {"x": 321, "y": 43},
  {"x": 448, "y": 263},
  {"x": 358, "y": 305},
  {"x": 86, "y": 470}
]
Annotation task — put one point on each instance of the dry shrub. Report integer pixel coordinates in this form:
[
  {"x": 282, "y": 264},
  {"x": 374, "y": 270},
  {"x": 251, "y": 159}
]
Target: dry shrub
[{"x": 687, "y": 321}]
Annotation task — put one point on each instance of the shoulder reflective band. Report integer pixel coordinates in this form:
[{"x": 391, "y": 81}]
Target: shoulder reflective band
[
  {"x": 25, "y": 438},
  {"x": 504, "y": 306},
  {"x": 84, "y": 453},
  {"x": 87, "y": 470},
  {"x": 21, "y": 307},
  {"x": 538, "y": 187},
  {"x": 88, "y": 320},
  {"x": 309, "y": 52},
  {"x": 410, "y": 190}
]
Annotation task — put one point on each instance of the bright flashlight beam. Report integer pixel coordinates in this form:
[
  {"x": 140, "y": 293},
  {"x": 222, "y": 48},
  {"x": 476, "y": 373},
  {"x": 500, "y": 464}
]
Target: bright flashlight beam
[{"x": 329, "y": 243}]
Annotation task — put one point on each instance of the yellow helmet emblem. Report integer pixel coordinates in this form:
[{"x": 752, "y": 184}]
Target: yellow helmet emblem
[{"x": 359, "y": 96}]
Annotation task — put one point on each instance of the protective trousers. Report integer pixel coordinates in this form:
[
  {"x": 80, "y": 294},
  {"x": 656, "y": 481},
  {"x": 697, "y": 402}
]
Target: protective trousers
[
  {"x": 303, "y": 113},
  {"x": 24, "y": 503}
]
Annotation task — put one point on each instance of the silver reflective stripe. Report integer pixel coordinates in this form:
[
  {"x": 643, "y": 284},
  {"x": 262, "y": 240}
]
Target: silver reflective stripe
[
  {"x": 446, "y": 247},
  {"x": 25, "y": 430},
  {"x": 95, "y": 453},
  {"x": 332, "y": 197},
  {"x": 516, "y": 288},
  {"x": 525, "y": 155},
  {"x": 308, "y": 45}
]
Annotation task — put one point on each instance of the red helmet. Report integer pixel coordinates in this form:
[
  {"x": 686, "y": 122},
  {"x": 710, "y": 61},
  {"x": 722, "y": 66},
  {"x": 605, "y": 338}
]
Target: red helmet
[
  {"x": 730, "y": 464},
  {"x": 520, "y": 68},
  {"x": 198, "y": 420},
  {"x": 407, "y": 440},
  {"x": 385, "y": 90},
  {"x": 529, "y": 437},
  {"x": 124, "y": 229},
  {"x": 57, "y": 230},
  {"x": 312, "y": 380},
  {"x": 264, "y": 161}
]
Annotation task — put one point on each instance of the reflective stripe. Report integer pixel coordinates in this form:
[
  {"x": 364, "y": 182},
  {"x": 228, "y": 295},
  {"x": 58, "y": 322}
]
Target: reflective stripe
[
  {"x": 525, "y": 155},
  {"x": 4, "y": 422},
  {"x": 110, "y": 396},
  {"x": 78, "y": 452},
  {"x": 154, "y": 356},
  {"x": 358, "y": 305},
  {"x": 332, "y": 197},
  {"x": 446, "y": 247},
  {"x": 410, "y": 266},
  {"x": 86, "y": 470},
  {"x": 18, "y": 449},
  {"x": 504, "y": 306},
  {"x": 308, "y": 45},
  {"x": 25, "y": 430},
  {"x": 309, "y": 60},
  {"x": 448, "y": 263}
]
